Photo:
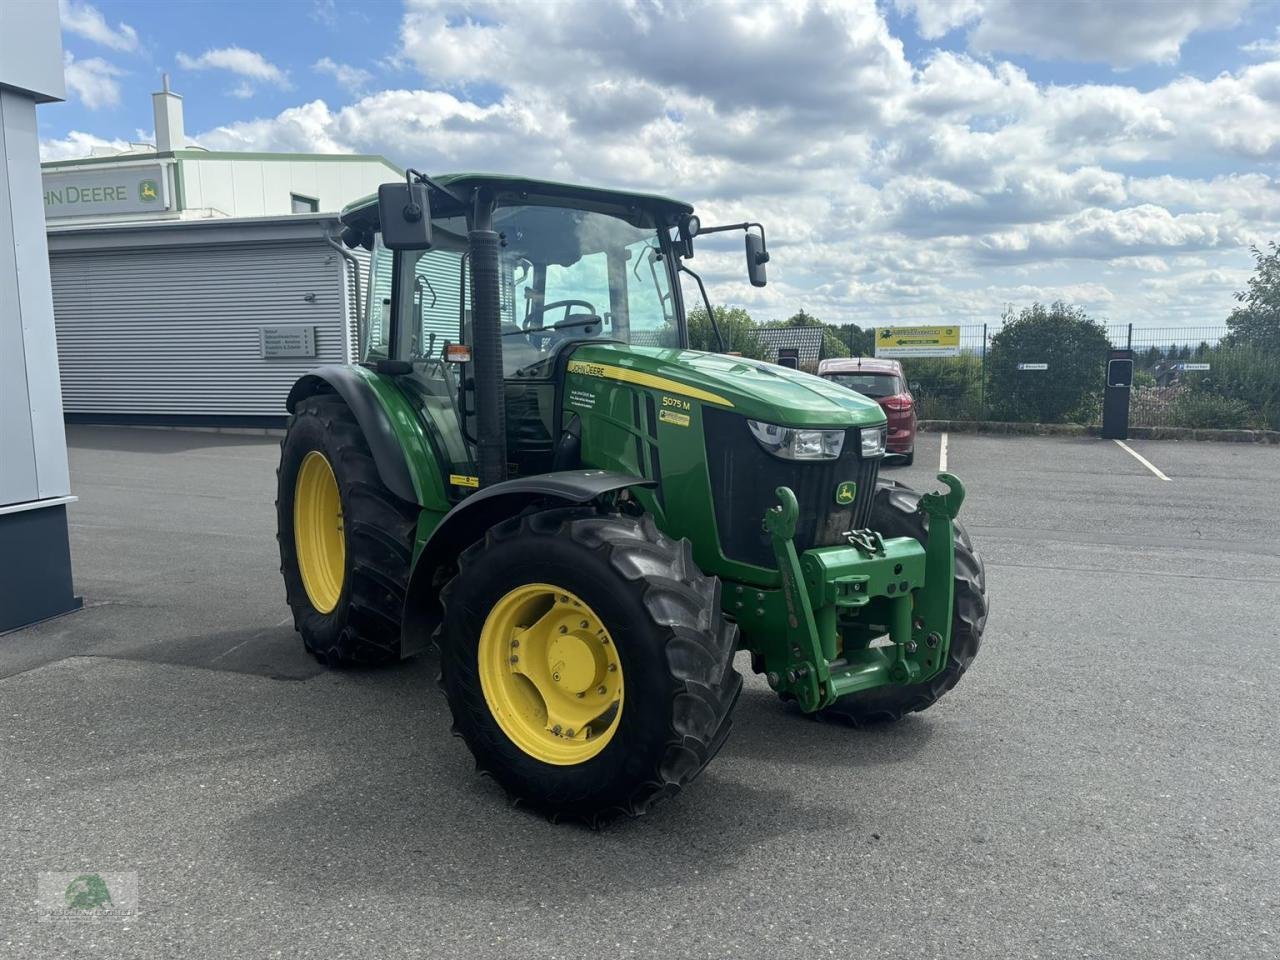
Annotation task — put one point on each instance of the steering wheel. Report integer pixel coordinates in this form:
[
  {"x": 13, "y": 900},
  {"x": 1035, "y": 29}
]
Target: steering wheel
[{"x": 541, "y": 334}]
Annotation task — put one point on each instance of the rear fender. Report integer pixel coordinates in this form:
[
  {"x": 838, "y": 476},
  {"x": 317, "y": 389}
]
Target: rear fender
[
  {"x": 401, "y": 451},
  {"x": 467, "y": 522}
]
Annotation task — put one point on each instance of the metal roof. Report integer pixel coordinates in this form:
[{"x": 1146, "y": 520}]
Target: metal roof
[{"x": 806, "y": 341}]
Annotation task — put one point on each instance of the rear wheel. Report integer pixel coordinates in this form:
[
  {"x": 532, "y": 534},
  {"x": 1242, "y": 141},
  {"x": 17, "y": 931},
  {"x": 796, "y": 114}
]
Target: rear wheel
[
  {"x": 345, "y": 539},
  {"x": 896, "y": 513},
  {"x": 586, "y": 662}
]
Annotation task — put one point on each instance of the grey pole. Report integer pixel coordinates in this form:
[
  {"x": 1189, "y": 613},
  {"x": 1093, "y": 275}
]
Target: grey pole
[{"x": 35, "y": 487}]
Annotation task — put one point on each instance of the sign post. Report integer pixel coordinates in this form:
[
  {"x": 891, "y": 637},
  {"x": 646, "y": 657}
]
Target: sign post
[{"x": 918, "y": 341}]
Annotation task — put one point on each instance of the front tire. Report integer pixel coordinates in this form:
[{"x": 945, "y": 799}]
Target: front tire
[
  {"x": 346, "y": 541},
  {"x": 896, "y": 512},
  {"x": 586, "y": 662}
]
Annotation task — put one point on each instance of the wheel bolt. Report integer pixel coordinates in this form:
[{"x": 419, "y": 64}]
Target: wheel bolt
[
  {"x": 601, "y": 688},
  {"x": 568, "y": 733},
  {"x": 583, "y": 625},
  {"x": 555, "y": 677},
  {"x": 613, "y": 668},
  {"x": 556, "y": 729},
  {"x": 563, "y": 628},
  {"x": 515, "y": 659},
  {"x": 514, "y": 644}
]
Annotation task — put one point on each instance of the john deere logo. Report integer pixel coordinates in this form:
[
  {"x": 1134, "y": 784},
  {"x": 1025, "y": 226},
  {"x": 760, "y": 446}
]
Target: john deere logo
[
  {"x": 148, "y": 190},
  {"x": 845, "y": 492},
  {"x": 88, "y": 892}
]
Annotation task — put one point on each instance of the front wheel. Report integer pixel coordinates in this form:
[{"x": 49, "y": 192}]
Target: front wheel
[
  {"x": 586, "y": 662},
  {"x": 896, "y": 512}
]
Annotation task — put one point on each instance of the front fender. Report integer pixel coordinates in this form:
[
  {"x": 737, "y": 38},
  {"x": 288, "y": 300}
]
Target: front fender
[{"x": 467, "y": 522}]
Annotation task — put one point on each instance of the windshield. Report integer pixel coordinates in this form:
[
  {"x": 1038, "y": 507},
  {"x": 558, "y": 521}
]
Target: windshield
[
  {"x": 869, "y": 384},
  {"x": 580, "y": 275}
]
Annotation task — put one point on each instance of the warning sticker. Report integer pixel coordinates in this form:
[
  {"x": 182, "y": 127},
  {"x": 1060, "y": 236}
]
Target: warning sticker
[
  {"x": 458, "y": 480},
  {"x": 673, "y": 418}
]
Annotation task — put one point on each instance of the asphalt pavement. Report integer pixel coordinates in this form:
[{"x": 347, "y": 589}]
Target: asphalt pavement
[{"x": 1103, "y": 783}]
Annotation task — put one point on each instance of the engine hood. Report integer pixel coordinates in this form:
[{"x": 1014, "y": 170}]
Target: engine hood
[{"x": 753, "y": 388}]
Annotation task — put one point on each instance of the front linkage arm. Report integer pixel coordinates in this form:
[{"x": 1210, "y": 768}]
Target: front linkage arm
[{"x": 914, "y": 585}]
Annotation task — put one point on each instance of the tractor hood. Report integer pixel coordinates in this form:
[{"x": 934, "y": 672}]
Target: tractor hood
[{"x": 752, "y": 388}]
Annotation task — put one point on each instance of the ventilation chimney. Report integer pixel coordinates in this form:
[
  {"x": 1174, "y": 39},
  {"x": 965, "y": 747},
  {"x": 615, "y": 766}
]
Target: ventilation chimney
[{"x": 168, "y": 111}]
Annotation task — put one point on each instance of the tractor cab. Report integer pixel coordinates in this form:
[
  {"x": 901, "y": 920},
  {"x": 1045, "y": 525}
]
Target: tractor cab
[{"x": 573, "y": 265}]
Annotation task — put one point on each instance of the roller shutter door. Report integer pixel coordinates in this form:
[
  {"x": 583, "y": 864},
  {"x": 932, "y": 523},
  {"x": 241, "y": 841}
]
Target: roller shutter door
[{"x": 176, "y": 331}]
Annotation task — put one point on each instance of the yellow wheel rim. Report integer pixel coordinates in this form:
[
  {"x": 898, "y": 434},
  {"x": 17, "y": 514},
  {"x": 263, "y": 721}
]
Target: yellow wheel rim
[
  {"x": 550, "y": 674},
  {"x": 317, "y": 532}
]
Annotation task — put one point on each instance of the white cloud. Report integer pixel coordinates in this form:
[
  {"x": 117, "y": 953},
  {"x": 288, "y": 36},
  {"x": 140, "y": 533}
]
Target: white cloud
[
  {"x": 249, "y": 65},
  {"x": 92, "y": 81},
  {"x": 85, "y": 20},
  {"x": 77, "y": 144},
  {"x": 891, "y": 189},
  {"x": 351, "y": 79},
  {"x": 1123, "y": 33},
  {"x": 1265, "y": 48}
]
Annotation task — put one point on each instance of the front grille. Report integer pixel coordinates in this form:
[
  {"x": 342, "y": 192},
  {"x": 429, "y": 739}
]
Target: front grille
[{"x": 744, "y": 477}]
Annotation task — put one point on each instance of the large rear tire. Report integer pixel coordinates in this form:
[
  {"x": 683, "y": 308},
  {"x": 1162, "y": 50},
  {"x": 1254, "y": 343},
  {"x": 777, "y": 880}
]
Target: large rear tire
[
  {"x": 896, "y": 513},
  {"x": 346, "y": 541},
  {"x": 586, "y": 662}
]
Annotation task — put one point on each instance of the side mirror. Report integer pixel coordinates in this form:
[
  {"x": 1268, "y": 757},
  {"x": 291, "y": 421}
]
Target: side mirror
[
  {"x": 404, "y": 213},
  {"x": 757, "y": 257}
]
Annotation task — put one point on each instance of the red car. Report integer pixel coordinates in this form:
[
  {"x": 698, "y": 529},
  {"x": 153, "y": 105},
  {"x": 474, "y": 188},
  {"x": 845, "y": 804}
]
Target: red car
[{"x": 883, "y": 381}]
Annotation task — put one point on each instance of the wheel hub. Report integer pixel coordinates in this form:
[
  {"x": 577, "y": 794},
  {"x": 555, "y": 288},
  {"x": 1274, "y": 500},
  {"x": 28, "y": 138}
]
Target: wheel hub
[
  {"x": 550, "y": 674},
  {"x": 319, "y": 538}
]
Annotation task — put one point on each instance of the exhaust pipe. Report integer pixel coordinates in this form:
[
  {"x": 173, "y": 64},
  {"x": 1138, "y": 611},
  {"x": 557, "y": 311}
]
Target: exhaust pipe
[{"x": 486, "y": 334}]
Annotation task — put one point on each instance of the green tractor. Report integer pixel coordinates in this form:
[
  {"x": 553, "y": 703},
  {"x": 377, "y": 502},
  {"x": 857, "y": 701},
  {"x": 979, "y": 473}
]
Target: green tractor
[{"x": 530, "y": 468}]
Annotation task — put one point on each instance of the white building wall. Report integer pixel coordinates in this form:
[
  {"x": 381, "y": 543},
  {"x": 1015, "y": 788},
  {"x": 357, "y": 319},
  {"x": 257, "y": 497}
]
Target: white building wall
[{"x": 254, "y": 187}]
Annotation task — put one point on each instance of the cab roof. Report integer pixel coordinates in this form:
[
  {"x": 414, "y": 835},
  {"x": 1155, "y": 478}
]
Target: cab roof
[{"x": 459, "y": 186}]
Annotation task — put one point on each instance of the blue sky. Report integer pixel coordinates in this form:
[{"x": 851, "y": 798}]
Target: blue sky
[{"x": 915, "y": 159}]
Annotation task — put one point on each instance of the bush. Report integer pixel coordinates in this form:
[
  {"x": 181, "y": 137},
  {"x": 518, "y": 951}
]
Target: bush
[
  {"x": 1246, "y": 376},
  {"x": 735, "y": 326},
  {"x": 1075, "y": 348},
  {"x": 946, "y": 388},
  {"x": 1208, "y": 412}
]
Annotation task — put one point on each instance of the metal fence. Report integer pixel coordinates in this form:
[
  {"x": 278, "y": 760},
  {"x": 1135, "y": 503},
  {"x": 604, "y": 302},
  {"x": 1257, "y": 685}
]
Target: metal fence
[{"x": 1183, "y": 377}]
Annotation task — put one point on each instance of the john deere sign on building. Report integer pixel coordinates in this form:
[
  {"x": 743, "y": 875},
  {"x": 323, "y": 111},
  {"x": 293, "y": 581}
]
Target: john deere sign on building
[{"x": 91, "y": 192}]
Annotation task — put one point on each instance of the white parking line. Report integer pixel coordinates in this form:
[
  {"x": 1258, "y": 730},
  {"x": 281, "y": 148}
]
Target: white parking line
[
  {"x": 942, "y": 453},
  {"x": 1142, "y": 460}
]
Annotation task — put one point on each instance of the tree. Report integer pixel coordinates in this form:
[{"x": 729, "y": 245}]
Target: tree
[
  {"x": 832, "y": 344},
  {"x": 1062, "y": 336},
  {"x": 736, "y": 327},
  {"x": 1257, "y": 323}
]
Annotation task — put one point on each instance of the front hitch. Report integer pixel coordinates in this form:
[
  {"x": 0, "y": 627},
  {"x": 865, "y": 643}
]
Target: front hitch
[{"x": 831, "y": 594}]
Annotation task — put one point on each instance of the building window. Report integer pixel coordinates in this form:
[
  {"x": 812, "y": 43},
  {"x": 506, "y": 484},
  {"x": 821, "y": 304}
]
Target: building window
[{"x": 301, "y": 204}]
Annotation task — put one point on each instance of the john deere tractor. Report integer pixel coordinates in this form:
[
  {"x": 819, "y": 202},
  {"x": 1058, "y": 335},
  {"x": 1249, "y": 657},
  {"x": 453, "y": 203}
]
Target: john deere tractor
[{"x": 529, "y": 468}]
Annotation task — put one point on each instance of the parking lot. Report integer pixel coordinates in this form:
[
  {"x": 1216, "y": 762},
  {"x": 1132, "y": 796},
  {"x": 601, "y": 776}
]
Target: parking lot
[{"x": 1103, "y": 783}]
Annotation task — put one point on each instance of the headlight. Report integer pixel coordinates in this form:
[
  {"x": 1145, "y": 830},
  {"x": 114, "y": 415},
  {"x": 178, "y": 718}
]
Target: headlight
[
  {"x": 873, "y": 442},
  {"x": 790, "y": 443}
]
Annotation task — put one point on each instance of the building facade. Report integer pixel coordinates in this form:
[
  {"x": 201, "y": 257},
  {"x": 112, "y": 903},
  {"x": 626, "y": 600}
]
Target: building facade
[{"x": 194, "y": 287}]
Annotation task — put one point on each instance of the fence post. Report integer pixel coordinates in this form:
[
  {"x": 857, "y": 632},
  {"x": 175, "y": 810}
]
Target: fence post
[
  {"x": 1129, "y": 345},
  {"x": 983, "y": 371}
]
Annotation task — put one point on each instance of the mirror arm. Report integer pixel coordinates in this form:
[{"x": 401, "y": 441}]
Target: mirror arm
[
  {"x": 706, "y": 302},
  {"x": 411, "y": 175},
  {"x": 723, "y": 228}
]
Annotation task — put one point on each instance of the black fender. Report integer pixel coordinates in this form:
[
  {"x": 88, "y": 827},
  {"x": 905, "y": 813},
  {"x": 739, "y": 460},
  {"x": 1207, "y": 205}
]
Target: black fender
[
  {"x": 388, "y": 454},
  {"x": 467, "y": 522}
]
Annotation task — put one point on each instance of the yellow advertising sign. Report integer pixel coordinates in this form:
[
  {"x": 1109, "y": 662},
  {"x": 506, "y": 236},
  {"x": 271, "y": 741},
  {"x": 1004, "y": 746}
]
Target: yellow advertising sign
[{"x": 918, "y": 341}]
